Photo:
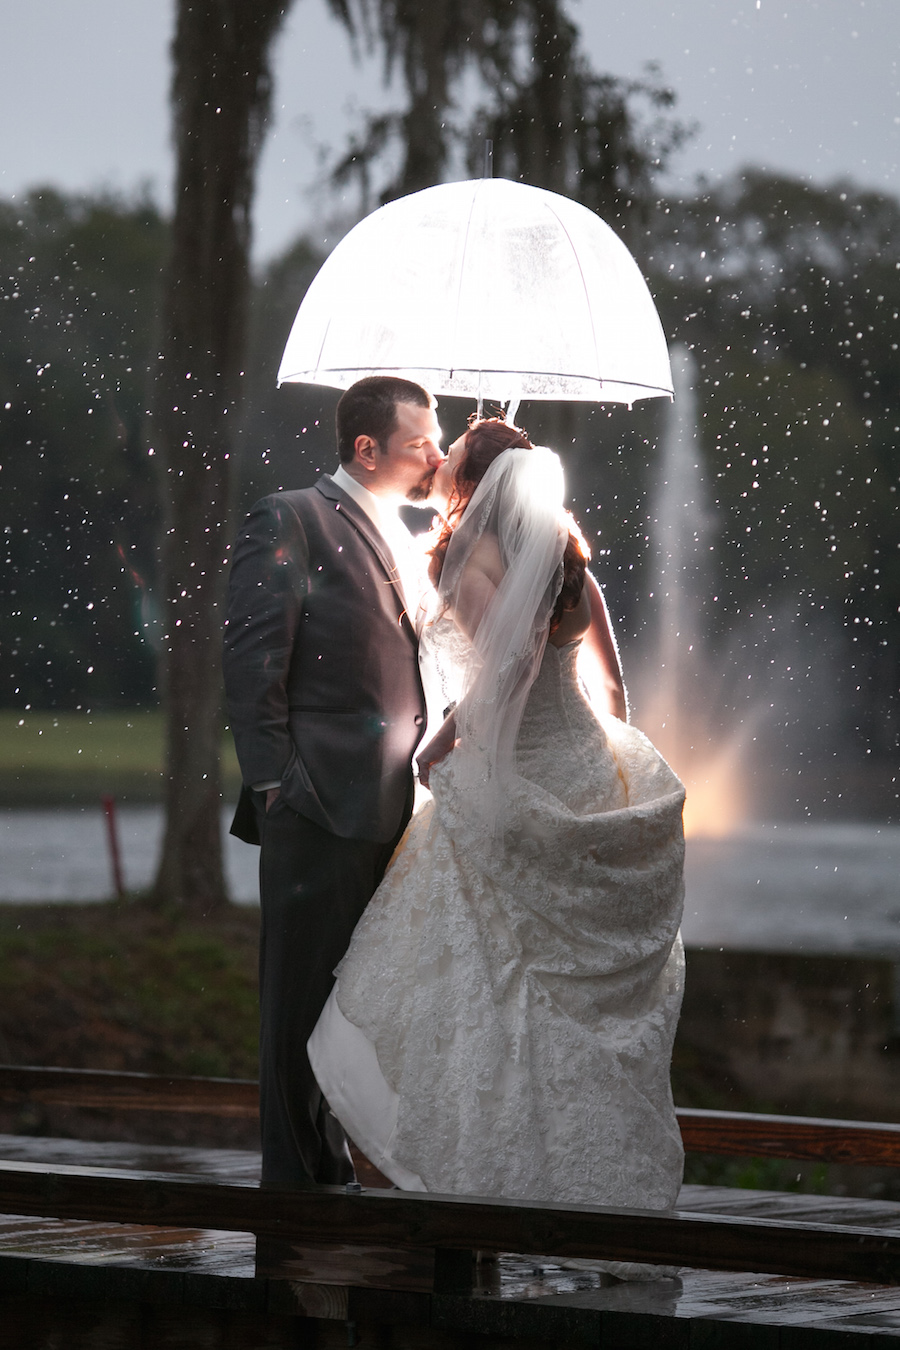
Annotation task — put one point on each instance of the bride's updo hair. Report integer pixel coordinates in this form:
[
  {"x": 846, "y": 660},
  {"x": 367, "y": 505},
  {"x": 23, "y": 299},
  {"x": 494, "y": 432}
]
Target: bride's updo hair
[{"x": 487, "y": 438}]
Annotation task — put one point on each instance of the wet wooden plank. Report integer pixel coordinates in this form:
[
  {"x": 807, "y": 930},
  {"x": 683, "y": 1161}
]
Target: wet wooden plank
[
  {"x": 880, "y": 1324},
  {"x": 831, "y": 1209},
  {"x": 81, "y": 1242},
  {"x": 773, "y": 1301},
  {"x": 221, "y": 1164},
  {"x": 805, "y": 1138},
  {"x": 399, "y": 1219}
]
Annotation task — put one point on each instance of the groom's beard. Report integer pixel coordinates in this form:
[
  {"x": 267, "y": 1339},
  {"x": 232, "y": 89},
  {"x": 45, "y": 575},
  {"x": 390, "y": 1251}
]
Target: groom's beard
[{"x": 422, "y": 490}]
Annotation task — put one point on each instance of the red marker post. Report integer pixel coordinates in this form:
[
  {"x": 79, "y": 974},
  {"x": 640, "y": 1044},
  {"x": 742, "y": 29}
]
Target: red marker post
[{"x": 112, "y": 837}]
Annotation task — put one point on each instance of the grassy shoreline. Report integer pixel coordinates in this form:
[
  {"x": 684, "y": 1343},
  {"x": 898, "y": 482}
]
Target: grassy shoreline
[
  {"x": 118, "y": 985},
  {"x": 74, "y": 758}
]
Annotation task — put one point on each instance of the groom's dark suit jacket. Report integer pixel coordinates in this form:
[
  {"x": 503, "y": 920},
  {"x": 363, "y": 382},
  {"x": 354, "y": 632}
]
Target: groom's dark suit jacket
[{"x": 321, "y": 670}]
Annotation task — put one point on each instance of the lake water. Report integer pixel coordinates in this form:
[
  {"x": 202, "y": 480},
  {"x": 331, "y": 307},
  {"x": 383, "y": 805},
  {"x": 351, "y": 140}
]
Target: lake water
[{"x": 812, "y": 888}]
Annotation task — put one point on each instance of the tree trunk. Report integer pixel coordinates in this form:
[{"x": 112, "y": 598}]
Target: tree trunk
[{"x": 220, "y": 96}]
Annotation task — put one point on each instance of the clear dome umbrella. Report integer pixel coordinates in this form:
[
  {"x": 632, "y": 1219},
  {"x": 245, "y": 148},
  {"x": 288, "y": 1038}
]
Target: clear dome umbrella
[{"x": 487, "y": 289}]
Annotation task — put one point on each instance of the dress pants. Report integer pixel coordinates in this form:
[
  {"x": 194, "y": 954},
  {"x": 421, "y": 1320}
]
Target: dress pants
[{"x": 313, "y": 888}]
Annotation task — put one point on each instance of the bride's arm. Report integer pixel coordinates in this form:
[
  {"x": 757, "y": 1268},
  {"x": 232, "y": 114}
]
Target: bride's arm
[
  {"x": 477, "y": 587},
  {"x": 598, "y": 660},
  {"x": 437, "y": 748}
]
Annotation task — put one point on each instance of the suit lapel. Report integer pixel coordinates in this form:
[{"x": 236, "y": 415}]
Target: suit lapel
[{"x": 357, "y": 517}]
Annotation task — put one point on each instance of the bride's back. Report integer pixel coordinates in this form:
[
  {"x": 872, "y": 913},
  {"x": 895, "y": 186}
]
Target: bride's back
[{"x": 573, "y": 623}]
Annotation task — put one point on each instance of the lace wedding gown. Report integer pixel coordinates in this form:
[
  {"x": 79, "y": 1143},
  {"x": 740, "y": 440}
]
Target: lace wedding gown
[{"x": 502, "y": 1024}]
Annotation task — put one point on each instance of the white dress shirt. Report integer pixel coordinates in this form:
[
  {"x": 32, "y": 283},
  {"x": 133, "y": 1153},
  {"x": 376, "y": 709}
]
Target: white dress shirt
[{"x": 382, "y": 511}]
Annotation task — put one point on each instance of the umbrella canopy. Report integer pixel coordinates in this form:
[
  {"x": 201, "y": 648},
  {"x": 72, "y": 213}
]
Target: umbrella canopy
[{"x": 489, "y": 289}]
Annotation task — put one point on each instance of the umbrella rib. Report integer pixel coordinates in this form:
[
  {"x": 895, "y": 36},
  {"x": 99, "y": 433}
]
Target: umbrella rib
[
  {"x": 559, "y": 222},
  {"x": 322, "y": 344},
  {"x": 462, "y": 268}
]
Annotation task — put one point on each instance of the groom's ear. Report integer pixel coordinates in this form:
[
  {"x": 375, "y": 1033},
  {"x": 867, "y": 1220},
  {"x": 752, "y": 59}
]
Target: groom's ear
[{"x": 365, "y": 449}]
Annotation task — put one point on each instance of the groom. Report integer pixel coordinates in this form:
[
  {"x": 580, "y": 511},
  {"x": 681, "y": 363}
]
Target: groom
[{"x": 326, "y": 708}]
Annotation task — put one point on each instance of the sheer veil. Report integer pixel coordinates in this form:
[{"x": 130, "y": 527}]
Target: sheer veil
[{"x": 502, "y": 573}]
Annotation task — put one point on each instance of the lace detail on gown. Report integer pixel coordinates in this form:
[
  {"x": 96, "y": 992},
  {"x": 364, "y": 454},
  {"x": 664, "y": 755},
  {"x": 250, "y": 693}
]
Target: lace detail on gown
[{"x": 522, "y": 1004}]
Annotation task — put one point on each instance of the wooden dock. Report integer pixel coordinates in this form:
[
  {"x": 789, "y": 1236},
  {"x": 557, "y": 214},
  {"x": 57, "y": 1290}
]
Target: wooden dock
[{"x": 124, "y": 1245}]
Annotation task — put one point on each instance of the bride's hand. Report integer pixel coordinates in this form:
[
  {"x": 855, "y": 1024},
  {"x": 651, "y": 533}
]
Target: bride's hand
[{"x": 438, "y": 748}]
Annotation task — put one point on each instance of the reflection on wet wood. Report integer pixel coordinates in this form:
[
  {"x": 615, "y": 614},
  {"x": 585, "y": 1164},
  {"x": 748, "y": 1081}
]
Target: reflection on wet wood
[{"x": 341, "y": 1263}]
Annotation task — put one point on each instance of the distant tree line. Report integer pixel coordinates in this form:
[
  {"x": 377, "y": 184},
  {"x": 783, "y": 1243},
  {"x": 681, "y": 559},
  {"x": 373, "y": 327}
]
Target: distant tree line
[{"x": 80, "y": 289}]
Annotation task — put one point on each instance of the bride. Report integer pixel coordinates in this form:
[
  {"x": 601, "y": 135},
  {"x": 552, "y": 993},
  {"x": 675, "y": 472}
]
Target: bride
[{"x": 502, "y": 1023}]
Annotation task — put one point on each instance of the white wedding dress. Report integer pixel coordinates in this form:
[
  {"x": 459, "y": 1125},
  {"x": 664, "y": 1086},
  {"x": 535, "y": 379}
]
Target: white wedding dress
[{"x": 502, "y": 1024}]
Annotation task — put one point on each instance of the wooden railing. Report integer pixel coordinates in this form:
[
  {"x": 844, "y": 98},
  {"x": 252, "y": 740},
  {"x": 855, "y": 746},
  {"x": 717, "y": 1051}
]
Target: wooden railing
[
  {"x": 806, "y": 1138},
  {"x": 718, "y": 1132},
  {"x": 450, "y": 1225},
  {"x": 102, "y": 1089}
]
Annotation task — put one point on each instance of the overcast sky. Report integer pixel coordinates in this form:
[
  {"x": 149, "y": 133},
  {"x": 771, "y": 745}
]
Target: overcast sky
[{"x": 809, "y": 87}]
